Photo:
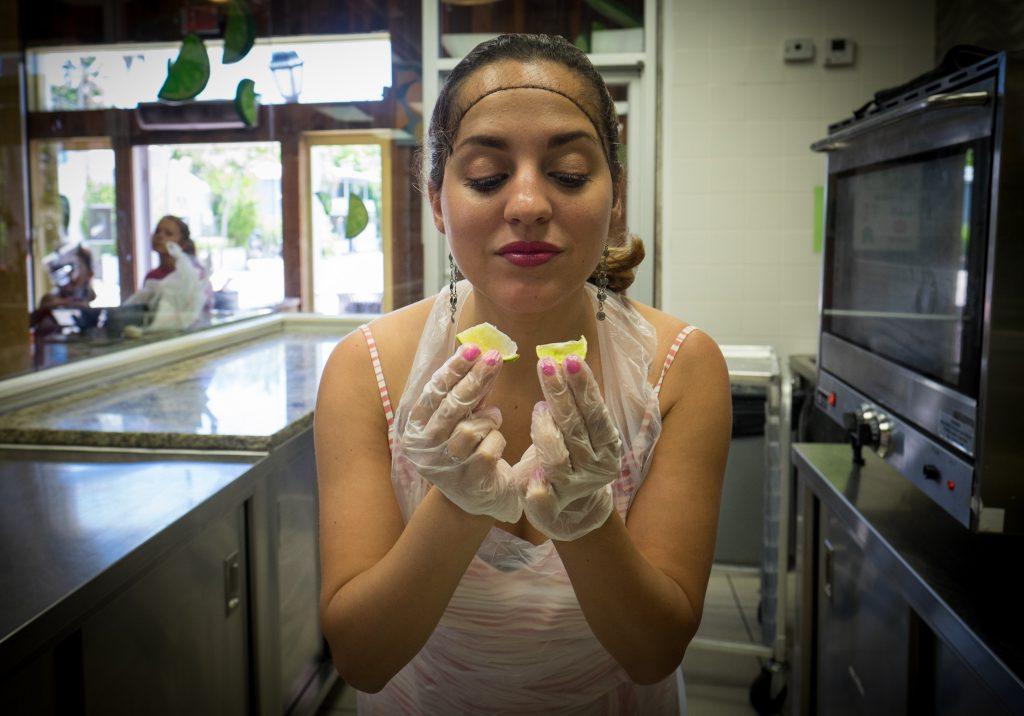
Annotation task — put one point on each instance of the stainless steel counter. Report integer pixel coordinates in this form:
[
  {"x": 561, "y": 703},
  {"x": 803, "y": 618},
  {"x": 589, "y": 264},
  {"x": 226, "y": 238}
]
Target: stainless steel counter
[
  {"x": 959, "y": 583},
  {"x": 76, "y": 527}
]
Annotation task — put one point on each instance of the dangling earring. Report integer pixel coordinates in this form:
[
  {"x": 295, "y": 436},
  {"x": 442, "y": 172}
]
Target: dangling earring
[
  {"x": 453, "y": 298},
  {"x": 602, "y": 282}
]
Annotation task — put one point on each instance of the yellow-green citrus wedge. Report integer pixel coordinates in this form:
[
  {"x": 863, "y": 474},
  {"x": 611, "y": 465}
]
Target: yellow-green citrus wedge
[
  {"x": 239, "y": 33},
  {"x": 357, "y": 217},
  {"x": 487, "y": 337},
  {"x": 560, "y": 351},
  {"x": 189, "y": 73},
  {"x": 246, "y": 104}
]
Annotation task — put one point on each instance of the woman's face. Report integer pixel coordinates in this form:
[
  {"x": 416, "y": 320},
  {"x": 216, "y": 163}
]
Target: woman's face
[
  {"x": 527, "y": 166},
  {"x": 166, "y": 231}
]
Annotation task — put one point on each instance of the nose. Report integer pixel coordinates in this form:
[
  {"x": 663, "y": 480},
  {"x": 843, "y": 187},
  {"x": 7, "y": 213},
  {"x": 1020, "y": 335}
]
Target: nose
[{"x": 528, "y": 202}]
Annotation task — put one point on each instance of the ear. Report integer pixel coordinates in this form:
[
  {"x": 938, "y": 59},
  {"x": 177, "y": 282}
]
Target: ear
[{"x": 434, "y": 195}]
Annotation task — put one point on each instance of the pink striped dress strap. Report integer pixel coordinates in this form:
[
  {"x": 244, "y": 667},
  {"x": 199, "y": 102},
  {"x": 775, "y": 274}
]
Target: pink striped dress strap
[
  {"x": 381, "y": 385},
  {"x": 680, "y": 337}
]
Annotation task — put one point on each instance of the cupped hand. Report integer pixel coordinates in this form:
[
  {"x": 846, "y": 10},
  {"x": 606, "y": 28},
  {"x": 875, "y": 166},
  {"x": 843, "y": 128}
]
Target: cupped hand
[
  {"x": 566, "y": 474},
  {"x": 454, "y": 443}
]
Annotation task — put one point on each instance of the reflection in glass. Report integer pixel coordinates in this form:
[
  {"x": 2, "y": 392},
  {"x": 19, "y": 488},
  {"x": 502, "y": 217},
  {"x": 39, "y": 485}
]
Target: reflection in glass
[
  {"x": 348, "y": 269},
  {"x": 230, "y": 197},
  {"x": 73, "y": 210}
]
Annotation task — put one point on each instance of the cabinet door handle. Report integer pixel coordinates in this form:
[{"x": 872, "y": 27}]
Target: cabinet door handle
[
  {"x": 232, "y": 583},
  {"x": 828, "y": 569}
]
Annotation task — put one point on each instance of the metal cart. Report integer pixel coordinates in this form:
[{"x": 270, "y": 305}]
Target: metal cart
[{"x": 760, "y": 366}]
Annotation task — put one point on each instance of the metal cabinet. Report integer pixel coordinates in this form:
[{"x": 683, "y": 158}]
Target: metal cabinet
[
  {"x": 863, "y": 629},
  {"x": 957, "y": 690},
  {"x": 175, "y": 642}
]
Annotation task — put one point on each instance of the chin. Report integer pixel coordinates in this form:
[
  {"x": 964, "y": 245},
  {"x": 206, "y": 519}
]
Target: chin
[{"x": 527, "y": 297}]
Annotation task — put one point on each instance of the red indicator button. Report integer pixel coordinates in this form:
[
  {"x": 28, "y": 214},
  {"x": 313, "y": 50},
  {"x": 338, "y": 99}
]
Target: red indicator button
[
  {"x": 832, "y": 399},
  {"x": 950, "y": 484}
]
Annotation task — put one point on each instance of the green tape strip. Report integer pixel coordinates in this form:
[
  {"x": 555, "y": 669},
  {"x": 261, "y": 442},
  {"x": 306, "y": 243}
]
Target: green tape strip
[{"x": 819, "y": 217}]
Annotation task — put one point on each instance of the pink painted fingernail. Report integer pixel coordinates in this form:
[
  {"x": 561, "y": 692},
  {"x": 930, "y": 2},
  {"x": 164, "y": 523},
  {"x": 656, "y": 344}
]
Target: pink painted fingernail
[
  {"x": 470, "y": 351},
  {"x": 572, "y": 364},
  {"x": 492, "y": 357},
  {"x": 547, "y": 366}
]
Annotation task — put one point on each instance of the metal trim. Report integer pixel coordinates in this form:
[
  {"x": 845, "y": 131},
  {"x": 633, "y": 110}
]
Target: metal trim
[{"x": 910, "y": 395}]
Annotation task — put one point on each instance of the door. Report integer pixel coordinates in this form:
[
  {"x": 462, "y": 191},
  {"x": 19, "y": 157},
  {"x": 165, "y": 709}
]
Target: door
[
  {"x": 347, "y": 196},
  {"x": 175, "y": 642},
  {"x": 863, "y": 630}
]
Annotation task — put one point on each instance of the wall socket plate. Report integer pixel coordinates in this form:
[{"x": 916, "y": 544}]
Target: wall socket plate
[
  {"x": 800, "y": 49},
  {"x": 839, "y": 51}
]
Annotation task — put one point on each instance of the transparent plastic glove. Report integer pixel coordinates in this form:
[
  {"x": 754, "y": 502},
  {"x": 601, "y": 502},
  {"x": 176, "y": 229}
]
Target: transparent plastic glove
[
  {"x": 455, "y": 445},
  {"x": 575, "y": 455}
]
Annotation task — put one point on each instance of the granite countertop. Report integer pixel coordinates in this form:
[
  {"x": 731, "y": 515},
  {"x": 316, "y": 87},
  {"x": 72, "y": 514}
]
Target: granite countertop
[
  {"x": 959, "y": 582},
  {"x": 250, "y": 396},
  {"x": 61, "y": 349},
  {"x": 75, "y": 527}
]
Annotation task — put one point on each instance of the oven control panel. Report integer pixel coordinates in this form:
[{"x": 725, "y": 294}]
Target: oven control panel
[{"x": 941, "y": 475}]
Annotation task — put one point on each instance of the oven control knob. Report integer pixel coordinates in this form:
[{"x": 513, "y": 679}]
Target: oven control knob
[{"x": 869, "y": 428}]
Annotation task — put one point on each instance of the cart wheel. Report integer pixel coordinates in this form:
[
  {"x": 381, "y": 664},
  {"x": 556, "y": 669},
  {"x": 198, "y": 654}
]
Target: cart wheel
[{"x": 761, "y": 694}]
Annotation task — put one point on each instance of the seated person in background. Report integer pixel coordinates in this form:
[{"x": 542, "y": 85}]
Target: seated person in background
[
  {"x": 177, "y": 289},
  {"x": 71, "y": 273}
]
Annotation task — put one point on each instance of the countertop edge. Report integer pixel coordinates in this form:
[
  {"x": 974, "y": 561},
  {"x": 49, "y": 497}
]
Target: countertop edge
[{"x": 918, "y": 593}]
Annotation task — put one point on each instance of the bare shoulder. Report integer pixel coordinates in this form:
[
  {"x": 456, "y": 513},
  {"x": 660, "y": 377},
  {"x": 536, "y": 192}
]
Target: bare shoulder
[
  {"x": 698, "y": 361},
  {"x": 396, "y": 335}
]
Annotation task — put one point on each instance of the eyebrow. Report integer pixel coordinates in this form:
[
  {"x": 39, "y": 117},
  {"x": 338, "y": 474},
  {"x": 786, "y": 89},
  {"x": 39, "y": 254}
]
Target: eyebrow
[{"x": 558, "y": 140}]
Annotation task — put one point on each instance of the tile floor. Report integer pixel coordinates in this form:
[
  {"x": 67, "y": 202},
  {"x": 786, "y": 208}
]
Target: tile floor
[{"x": 717, "y": 684}]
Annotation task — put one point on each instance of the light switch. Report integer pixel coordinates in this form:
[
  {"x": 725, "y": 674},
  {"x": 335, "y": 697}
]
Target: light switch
[
  {"x": 839, "y": 51},
  {"x": 800, "y": 49}
]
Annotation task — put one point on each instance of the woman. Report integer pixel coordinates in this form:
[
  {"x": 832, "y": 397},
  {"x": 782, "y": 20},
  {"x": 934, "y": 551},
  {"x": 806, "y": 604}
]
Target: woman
[
  {"x": 171, "y": 230},
  {"x": 537, "y": 549}
]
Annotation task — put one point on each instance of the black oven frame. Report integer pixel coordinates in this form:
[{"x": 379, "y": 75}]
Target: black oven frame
[{"x": 963, "y": 451}]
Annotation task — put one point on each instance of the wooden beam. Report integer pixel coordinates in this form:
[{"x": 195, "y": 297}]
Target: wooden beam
[
  {"x": 124, "y": 203},
  {"x": 293, "y": 250}
]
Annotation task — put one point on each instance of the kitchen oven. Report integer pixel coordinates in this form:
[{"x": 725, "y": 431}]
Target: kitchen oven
[{"x": 922, "y": 307}]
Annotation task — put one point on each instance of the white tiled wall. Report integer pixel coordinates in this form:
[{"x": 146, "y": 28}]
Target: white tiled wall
[{"x": 737, "y": 199}]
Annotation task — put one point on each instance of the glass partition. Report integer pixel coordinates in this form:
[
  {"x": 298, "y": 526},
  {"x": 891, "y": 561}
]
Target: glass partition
[
  {"x": 75, "y": 221},
  {"x": 348, "y": 222},
  {"x": 229, "y": 195}
]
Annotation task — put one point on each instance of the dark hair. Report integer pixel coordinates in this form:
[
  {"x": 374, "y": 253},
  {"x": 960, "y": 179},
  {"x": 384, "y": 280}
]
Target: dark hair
[
  {"x": 625, "y": 252},
  {"x": 187, "y": 244}
]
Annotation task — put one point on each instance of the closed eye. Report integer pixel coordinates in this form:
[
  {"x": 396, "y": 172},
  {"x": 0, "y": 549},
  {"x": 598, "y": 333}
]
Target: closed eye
[
  {"x": 570, "y": 179},
  {"x": 487, "y": 184}
]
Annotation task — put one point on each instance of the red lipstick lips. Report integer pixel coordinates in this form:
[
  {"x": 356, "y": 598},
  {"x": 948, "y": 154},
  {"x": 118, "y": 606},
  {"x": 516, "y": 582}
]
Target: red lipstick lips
[{"x": 528, "y": 253}]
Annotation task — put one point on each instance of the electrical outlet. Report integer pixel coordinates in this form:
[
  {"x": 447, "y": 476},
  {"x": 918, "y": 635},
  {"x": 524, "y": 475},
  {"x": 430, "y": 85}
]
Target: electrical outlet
[
  {"x": 839, "y": 51},
  {"x": 800, "y": 49}
]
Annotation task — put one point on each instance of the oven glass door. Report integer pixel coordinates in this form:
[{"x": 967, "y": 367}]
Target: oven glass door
[{"x": 905, "y": 261}]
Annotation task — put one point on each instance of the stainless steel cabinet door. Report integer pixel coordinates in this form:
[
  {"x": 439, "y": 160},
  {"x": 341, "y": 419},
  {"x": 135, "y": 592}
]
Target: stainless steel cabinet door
[
  {"x": 175, "y": 642},
  {"x": 959, "y": 691},
  {"x": 863, "y": 630}
]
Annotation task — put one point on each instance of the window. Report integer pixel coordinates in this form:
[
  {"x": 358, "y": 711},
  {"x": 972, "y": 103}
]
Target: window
[
  {"x": 349, "y": 223},
  {"x": 73, "y": 205},
  {"x": 330, "y": 68},
  {"x": 230, "y": 197}
]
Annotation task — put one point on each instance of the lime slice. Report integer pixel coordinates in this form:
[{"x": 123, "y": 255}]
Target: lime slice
[
  {"x": 240, "y": 32},
  {"x": 357, "y": 217},
  {"x": 488, "y": 337},
  {"x": 560, "y": 351},
  {"x": 188, "y": 76},
  {"x": 245, "y": 102},
  {"x": 325, "y": 202}
]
